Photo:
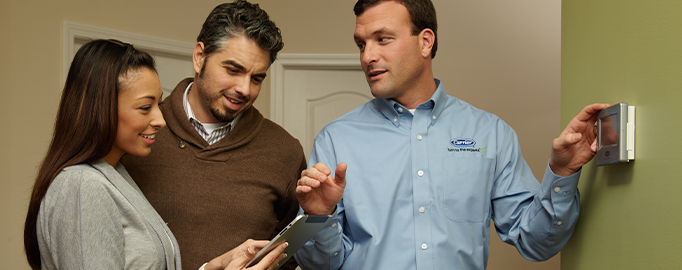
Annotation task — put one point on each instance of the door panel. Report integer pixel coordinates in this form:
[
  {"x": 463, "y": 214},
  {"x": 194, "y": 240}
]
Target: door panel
[{"x": 312, "y": 90}]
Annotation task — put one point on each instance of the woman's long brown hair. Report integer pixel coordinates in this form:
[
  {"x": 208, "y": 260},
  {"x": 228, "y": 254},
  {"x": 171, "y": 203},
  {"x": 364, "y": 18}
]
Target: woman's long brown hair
[{"x": 87, "y": 119}]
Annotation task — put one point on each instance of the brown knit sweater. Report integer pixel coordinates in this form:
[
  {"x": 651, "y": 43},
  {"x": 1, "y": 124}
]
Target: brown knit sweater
[{"x": 214, "y": 197}]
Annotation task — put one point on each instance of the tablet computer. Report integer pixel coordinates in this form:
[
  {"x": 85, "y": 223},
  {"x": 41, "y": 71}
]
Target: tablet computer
[{"x": 297, "y": 233}]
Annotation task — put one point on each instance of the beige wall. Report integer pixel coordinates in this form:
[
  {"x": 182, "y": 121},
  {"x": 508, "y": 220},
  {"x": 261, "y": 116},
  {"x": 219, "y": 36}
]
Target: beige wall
[{"x": 501, "y": 56}]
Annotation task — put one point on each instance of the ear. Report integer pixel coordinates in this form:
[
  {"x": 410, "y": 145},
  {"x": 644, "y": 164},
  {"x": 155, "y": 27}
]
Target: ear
[
  {"x": 198, "y": 57},
  {"x": 426, "y": 40}
]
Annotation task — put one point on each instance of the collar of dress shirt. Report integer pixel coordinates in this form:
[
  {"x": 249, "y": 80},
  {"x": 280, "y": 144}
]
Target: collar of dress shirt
[{"x": 391, "y": 109}]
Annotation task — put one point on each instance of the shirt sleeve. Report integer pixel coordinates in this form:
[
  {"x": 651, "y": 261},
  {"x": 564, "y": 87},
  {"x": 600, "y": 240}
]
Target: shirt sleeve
[
  {"x": 80, "y": 224},
  {"x": 329, "y": 248},
  {"x": 536, "y": 218}
]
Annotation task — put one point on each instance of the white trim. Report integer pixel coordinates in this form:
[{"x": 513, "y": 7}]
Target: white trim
[
  {"x": 313, "y": 61},
  {"x": 73, "y": 32}
]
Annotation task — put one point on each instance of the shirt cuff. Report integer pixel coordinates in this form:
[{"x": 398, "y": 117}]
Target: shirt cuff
[
  {"x": 560, "y": 186},
  {"x": 331, "y": 231},
  {"x": 202, "y": 267}
]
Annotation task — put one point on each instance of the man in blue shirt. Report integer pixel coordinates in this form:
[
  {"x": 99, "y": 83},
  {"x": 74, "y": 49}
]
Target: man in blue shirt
[{"x": 427, "y": 171}]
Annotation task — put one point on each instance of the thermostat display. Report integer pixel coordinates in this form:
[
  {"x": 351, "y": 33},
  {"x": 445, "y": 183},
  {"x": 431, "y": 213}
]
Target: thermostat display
[{"x": 616, "y": 134}]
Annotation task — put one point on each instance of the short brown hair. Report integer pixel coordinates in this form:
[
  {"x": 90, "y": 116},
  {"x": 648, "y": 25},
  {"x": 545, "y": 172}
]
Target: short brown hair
[{"x": 422, "y": 15}]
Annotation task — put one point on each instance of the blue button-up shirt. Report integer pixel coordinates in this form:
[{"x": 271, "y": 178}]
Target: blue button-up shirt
[{"x": 421, "y": 190}]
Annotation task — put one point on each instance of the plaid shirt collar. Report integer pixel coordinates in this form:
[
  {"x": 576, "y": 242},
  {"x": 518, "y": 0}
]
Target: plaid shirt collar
[{"x": 219, "y": 130}]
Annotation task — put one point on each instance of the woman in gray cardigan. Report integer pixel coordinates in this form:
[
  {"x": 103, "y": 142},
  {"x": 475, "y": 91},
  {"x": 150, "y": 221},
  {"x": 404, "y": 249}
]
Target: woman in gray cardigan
[{"x": 85, "y": 211}]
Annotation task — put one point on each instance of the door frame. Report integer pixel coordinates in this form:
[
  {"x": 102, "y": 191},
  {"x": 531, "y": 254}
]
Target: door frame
[
  {"x": 308, "y": 61},
  {"x": 74, "y": 33}
]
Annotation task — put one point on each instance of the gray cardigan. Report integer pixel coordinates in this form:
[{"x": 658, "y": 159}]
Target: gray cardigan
[{"x": 95, "y": 217}]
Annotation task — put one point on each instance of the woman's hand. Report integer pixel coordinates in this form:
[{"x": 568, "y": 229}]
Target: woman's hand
[{"x": 238, "y": 257}]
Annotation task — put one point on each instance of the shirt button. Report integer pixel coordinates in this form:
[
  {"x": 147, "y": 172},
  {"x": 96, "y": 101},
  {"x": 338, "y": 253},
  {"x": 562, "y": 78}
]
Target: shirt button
[
  {"x": 400, "y": 109},
  {"x": 434, "y": 117},
  {"x": 336, "y": 253},
  {"x": 182, "y": 144},
  {"x": 334, "y": 225},
  {"x": 420, "y": 173},
  {"x": 421, "y": 209},
  {"x": 424, "y": 246},
  {"x": 395, "y": 119},
  {"x": 559, "y": 223},
  {"x": 419, "y": 137},
  {"x": 557, "y": 189}
]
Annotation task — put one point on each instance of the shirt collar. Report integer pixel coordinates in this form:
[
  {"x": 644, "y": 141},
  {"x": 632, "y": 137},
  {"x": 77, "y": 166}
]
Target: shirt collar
[{"x": 391, "y": 109}]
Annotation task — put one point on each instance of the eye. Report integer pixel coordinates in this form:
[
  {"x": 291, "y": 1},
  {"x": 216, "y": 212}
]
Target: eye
[
  {"x": 232, "y": 69},
  {"x": 361, "y": 46},
  {"x": 146, "y": 108},
  {"x": 257, "y": 80}
]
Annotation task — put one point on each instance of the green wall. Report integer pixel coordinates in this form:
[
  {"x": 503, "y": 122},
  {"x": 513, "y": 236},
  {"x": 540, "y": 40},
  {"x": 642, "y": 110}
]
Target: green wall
[{"x": 627, "y": 51}]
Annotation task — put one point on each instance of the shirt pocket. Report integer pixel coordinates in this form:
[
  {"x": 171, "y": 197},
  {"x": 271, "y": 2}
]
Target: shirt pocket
[{"x": 466, "y": 188}]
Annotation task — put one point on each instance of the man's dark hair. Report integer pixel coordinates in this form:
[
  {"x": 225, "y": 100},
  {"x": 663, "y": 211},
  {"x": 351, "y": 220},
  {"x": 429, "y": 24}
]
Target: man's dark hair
[
  {"x": 422, "y": 15},
  {"x": 240, "y": 18}
]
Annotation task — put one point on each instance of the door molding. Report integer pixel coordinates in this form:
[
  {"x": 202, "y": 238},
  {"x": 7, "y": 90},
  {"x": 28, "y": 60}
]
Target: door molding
[
  {"x": 309, "y": 61},
  {"x": 75, "y": 33}
]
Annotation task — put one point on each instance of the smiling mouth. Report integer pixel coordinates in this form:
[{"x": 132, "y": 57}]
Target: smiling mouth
[
  {"x": 373, "y": 74},
  {"x": 234, "y": 101},
  {"x": 149, "y": 137}
]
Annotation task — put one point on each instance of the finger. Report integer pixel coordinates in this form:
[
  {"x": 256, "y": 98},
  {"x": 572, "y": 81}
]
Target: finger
[
  {"x": 307, "y": 181},
  {"x": 245, "y": 246},
  {"x": 239, "y": 261},
  {"x": 303, "y": 189},
  {"x": 278, "y": 261},
  {"x": 315, "y": 173},
  {"x": 322, "y": 168},
  {"x": 340, "y": 173},
  {"x": 590, "y": 111},
  {"x": 567, "y": 140},
  {"x": 273, "y": 258},
  {"x": 259, "y": 244},
  {"x": 593, "y": 147}
]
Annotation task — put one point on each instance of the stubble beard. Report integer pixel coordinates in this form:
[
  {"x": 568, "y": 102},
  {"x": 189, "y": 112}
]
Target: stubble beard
[{"x": 214, "y": 103}]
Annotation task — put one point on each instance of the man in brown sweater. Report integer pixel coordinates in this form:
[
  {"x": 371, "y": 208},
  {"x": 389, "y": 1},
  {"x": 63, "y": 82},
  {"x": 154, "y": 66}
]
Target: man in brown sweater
[{"x": 220, "y": 173}]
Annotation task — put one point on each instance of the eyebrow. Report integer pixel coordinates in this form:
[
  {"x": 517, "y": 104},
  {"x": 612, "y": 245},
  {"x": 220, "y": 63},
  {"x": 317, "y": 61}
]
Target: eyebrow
[
  {"x": 242, "y": 68},
  {"x": 148, "y": 97},
  {"x": 382, "y": 30}
]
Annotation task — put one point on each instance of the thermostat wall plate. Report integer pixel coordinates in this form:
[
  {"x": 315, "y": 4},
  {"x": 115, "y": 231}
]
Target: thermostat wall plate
[{"x": 616, "y": 134}]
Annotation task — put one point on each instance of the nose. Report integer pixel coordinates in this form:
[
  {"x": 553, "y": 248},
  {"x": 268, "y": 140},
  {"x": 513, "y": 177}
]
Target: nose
[
  {"x": 368, "y": 55},
  {"x": 157, "y": 118},
  {"x": 243, "y": 86}
]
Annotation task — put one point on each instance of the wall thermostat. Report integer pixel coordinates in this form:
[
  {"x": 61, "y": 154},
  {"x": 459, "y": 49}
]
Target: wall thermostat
[{"x": 616, "y": 134}]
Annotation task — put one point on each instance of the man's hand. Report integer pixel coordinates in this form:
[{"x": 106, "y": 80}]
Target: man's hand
[
  {"x": 318, "y": 192},
  {"x": 577, "y": 144}
]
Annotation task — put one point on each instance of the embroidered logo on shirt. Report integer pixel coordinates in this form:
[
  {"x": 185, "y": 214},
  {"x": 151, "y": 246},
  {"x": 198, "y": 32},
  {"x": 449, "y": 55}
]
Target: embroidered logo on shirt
[
  {"x": 456, "y": 142},
  {"x": 465, "y": 145}
]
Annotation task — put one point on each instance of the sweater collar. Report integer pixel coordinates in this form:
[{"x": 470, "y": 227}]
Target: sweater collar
[{"x": 176, "y": 120}]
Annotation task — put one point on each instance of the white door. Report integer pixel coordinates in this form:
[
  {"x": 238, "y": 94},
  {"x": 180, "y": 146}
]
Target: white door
[{"x": 311, "y": 90}]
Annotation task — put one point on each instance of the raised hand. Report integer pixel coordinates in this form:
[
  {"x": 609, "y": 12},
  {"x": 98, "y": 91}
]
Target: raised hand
[
  {"x": 577, "y": 144},
  {"x": 318, "y": 192}
]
